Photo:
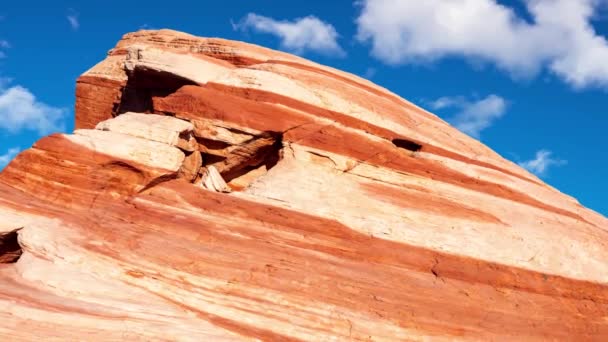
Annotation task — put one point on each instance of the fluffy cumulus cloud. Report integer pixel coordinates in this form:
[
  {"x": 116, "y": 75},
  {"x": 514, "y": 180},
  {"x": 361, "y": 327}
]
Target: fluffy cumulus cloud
[
  {"x": 8, "y": 156},
  {"x": 19, "y": 110},
  {"x": 542, "y": 162},
  {"x": 472, "y": 116},
  {"x": 559, "y": 37},
  {"x": 299, "y": 35},
  {"x": 73, "y": 19}
]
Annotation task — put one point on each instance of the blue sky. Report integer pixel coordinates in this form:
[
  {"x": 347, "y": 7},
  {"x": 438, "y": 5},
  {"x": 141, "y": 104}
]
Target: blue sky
[{"x": 527, "y": 77}]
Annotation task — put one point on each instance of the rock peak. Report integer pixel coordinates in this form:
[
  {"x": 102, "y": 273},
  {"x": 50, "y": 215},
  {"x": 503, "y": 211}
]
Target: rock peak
[{"x": 218, "y": 190}]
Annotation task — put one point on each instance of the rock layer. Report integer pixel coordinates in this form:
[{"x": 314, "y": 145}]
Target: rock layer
[{"x": 216, "y": 190}]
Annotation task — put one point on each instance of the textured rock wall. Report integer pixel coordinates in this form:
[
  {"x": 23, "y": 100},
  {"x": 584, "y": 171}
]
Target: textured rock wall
[{"x": 216, "y": 190}]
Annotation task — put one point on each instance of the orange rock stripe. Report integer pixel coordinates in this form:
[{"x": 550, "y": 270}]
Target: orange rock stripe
[
  {"x": 193, "y": 102},
  {"x": 366, "y": 274},
  {"x": 256, "y": 96},
  {"x": 428, "y": 202}
]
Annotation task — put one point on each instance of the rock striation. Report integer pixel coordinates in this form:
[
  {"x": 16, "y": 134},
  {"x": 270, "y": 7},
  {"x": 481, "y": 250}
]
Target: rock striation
[{"x": 216, "y": 190}]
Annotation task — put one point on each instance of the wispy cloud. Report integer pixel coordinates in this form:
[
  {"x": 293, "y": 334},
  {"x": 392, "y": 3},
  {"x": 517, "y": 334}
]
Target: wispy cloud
[
  {"x": 542, "y": 162},
  {"x": 147, "y": 27},
  {"x": 8, "y": 156},
  {"x": 369, "y": 73},
  {"x": 560, "y": 37},
  {"x": 4, "y": 82},
  {"x": 73, "y": 19},
  {"x": 298, "y": 36},
  {"x": 448, "y": 101},
  {"x": 472, "y": 116},
  {"x": 4, "y": 44},
  {"x": 20, "y": 110}
]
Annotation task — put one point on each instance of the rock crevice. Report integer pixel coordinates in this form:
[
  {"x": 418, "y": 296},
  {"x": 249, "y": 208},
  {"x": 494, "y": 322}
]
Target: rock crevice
[
  {"x": 216, "y": 156},
  {"x": 10, "y": 250}
]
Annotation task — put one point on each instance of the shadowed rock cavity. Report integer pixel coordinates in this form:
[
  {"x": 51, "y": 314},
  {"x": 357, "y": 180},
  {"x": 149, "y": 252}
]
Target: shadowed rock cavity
[
  {"x": 407, "y": 145},
  {"x": 143, "y": 84},
  {"x": 10, "y": 250}
]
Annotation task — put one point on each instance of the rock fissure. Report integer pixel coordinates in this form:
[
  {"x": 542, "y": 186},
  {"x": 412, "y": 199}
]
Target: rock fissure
[
  {"x": 240, "y": 165},
  {"x": 407, "y": 145}
]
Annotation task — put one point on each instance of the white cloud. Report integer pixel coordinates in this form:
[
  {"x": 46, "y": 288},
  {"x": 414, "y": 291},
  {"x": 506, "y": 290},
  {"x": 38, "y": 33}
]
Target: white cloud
[
  {"x": 20, "y": 110},
  {"x": 559, "y": 38},
  {"x": 472, "y": 116},
  {"x": 541, "y": 163},
  {"x": 300, "y": 35},
  {"x": 73, "y": 19},
  {"x": 8, "y": 156},
  {"x": 448, "y": 101}
]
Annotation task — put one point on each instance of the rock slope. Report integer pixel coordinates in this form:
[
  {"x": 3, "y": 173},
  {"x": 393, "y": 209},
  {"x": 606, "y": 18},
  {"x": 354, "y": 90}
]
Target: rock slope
[{"x": 216, "y": 190}]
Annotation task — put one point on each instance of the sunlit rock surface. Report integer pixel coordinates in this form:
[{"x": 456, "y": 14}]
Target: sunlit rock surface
[{"x": 216, "y": 190}]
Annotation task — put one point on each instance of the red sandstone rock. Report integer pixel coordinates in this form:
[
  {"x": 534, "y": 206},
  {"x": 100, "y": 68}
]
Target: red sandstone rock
[{"x": 353, "y": 215}]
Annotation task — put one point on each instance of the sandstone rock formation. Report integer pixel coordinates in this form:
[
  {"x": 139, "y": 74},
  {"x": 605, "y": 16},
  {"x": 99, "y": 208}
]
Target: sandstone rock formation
[{"x": 216, "y": 190}]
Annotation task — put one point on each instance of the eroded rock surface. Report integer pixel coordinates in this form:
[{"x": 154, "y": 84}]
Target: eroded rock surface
[{"x": 216, "y": 190}]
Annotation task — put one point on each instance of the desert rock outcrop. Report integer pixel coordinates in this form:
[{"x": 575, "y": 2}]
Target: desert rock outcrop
[{"x": 216, "y": 190}]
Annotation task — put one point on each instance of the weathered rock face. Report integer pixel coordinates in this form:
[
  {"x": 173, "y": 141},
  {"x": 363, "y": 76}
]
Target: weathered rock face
[{"x": 216, "y": 190}]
